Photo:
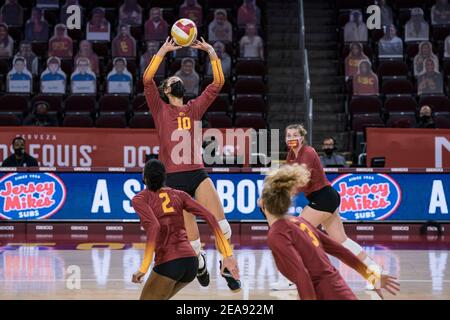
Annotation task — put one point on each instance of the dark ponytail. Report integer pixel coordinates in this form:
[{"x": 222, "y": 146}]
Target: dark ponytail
[
  {"x": 161, "y": 88},
  {"x": 154, "y": 175}
]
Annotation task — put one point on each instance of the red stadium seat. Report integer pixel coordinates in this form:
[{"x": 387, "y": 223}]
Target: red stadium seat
[
  {"x": 54, "y": 101},
  {"x": 401, "y": 120},
  {"x": 220, "y": 105},
  {"x": 249, "y": 104},
  {"x": 250, "y": 86},
  {"x": 360, "y": 121},
  {"x": 393, "y": 69},
  {"x": 250, "y": 121},
  {"x": 365, "y": 105},
  {"x": 111, "y": 120},
  {"x": 219, "y": 121},
  {"x": 40, "y": 48},
  {"x": 14, "y": 103},
  {"x": 412, "y": 50},
  {"x": 113, "y": 103},
  {"x": 9, "y": 119},
  {"x": 442, "y": 120},
  {"x": 78, "y": 120},
  {"x": 76, "y": 103},
  {"x": 400, "y": 104},
  {"x": 101, "y": 48},
  {"x": 139, "y": 104},
  {"x": 437, "y": 103},
  {"x": 142, "y": 120},
  {"x": 440, "y": 32},
  {"x": 397, "y": 86},
  {"x": 245, "y": 68}
]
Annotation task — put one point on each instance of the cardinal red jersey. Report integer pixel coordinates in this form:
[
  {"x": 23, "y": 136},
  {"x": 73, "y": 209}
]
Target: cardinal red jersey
[
  {"x": 308, "y": 156},
  {"x": 300, "y": 253}
]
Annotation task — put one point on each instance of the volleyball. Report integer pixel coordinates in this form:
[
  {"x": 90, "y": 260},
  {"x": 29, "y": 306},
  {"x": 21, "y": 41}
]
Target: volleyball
[{"x": 184, "y": 32}]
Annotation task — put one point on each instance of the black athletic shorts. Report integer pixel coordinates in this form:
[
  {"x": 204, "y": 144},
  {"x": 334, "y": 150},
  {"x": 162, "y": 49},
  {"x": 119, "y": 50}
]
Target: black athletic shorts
[
  {"x": 187, "y": 181},
  {"x": 180, "y": 270},
  {"x": 326, "y": 199}
]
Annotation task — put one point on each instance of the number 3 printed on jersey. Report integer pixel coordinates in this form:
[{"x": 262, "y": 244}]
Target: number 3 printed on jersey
[
  {"x": 314, "y": 239},
  {"x": 166, "y": 201},
  {"x": 184, "y": 123}
]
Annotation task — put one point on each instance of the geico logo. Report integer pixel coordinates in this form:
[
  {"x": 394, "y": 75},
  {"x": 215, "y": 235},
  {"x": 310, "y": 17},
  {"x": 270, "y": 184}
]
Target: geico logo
[
  {"x": 8, "y": 228},
  {"x": 44, "y": 227},
  {"x": 78, "y": 228},
  {"x": 400, "y": 228},
  {"x": 260, "y": 228},
  {"x": 364, "y": 228},
  {"x": 114, "y": 228}
]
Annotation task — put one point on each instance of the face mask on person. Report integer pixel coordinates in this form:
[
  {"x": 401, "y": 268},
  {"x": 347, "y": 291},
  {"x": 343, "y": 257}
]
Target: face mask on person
[
  {"x": 328, "y": 151},
  {"x": 425, "y": 118},
  {"x": 19, "y": 151},
  {"x": 294, "y": 143},
  {"x": 177, "y": 89}
]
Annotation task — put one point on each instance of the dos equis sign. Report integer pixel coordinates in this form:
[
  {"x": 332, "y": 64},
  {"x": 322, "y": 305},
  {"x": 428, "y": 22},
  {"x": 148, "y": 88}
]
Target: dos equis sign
[
  {"x": 30, "y": 196},
  {"x": 367, "y": 197}
]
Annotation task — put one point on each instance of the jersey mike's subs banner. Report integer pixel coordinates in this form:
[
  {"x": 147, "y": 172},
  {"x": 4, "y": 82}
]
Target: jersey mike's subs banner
[
  {"x": 409, "y": 148},
  {"x": 90, "y": 196},
  {"x": 96, "y": 147}
]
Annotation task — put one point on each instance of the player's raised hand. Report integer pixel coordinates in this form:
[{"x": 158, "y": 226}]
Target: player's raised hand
[
  {"x": 202, "y": 45},
  {"x": 231, "y": 265},
  {"x": 138, "y": 277},
  {"x": 169, "y": 46},
  {"x": 388, "y": 283}
]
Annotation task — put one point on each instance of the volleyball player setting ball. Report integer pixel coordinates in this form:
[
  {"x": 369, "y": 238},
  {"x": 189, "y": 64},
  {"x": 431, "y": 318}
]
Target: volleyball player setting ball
[
  {"x": 171, "y": 115},
  {"x": 324, "y": 200},
  {"x": 300, "y": 250},
  {"x": 161, "y": 213}
]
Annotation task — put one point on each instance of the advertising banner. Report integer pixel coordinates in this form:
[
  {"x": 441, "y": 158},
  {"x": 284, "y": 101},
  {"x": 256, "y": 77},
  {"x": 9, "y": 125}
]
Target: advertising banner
[
  {"x": 89, "y": 196},
  {"x": 409, "y": 148}
]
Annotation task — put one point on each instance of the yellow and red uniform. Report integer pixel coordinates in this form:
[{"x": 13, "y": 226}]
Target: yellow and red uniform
[
  {"x": 169, "y": 118},
  {"x": 161, "y": 215}
]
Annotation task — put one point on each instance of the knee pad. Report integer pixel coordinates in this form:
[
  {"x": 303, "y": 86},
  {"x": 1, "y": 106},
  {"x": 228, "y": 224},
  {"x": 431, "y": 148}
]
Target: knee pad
[
  {"x": 226, "y": 228},
  {"x": 197, "y": 246},
  {"x": 352, "y": 246}
]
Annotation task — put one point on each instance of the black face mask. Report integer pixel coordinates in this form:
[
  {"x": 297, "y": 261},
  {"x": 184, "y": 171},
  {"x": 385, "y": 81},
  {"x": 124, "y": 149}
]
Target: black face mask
[
  {"x": 19, "y": 151},
  {"x": 328, "y": 151},
  {"x": 177, "y": 89},
  {"x": 425, "y": 118},
  {"x": 41, "y": 116}
]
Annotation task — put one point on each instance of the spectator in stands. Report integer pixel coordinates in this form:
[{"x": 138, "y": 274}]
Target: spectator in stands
[
  {"x": 431, "y": 80},
  {"x": 190, "y": 9},
  {"x": 426, "y": 118},
  {"x": 440, "y": 12},
  {"x": 331, "y": 158},
  {"x": 447, "y": 47},
  {"x": 19, "y": 158},
  {"x": 366, "y": 81},
  {"x": 387, "y": 16},
  {"x": 355, "y": 30},
  {"x": 19, "y": 78},
  {"x": 26, "y": 51},
  {"x": 87, "y": 52},
  {"x": 60, "y": 45},
  {"x": 220, "y": 29},
  {"x": 156, "y": 28},
  {"x": 6, "y": 42},
  {"x": 124, "y": 44},
  {"x": 83, "y": 79},
  {"x": 251, "y": 45},
  {"x": 53, "y": 79},
  {"x": 119, "y": 79},
  {"x": 353, "y": 59},
  {"x": 248, "y": 13},
  {"x": 63, "y": 15},
  {"x": 12, "y": 13},
  {"x": 425, "y": 52},
  {"x": 390, "y": 45},
  {"x": 36, "y": 28},
  {"x": 40, "y": 116},
  {"x": 130, "y": 13},
  {"x": 189, "y": 76},
  {"x": 98, "y": 28},
  {"x": 152, "y": 49},
  {"x": 224, "y": 57},
  {"x": 417, "y": 29}
]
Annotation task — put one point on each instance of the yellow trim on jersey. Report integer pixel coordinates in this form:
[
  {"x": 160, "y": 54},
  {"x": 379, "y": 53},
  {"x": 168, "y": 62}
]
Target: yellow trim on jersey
[
  {"x": 148, "y": 257},
  {"x": 219, "y": 78},
  {"x": 152, "y": 68},
  {"x": 222, "y": 244}
]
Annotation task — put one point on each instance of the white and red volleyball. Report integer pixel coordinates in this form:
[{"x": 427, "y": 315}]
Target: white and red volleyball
[{"x": 184, "y": 32}]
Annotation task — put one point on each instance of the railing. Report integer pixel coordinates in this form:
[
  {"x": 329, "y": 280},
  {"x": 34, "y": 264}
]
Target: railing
[{"x": 308, "y": 101}]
